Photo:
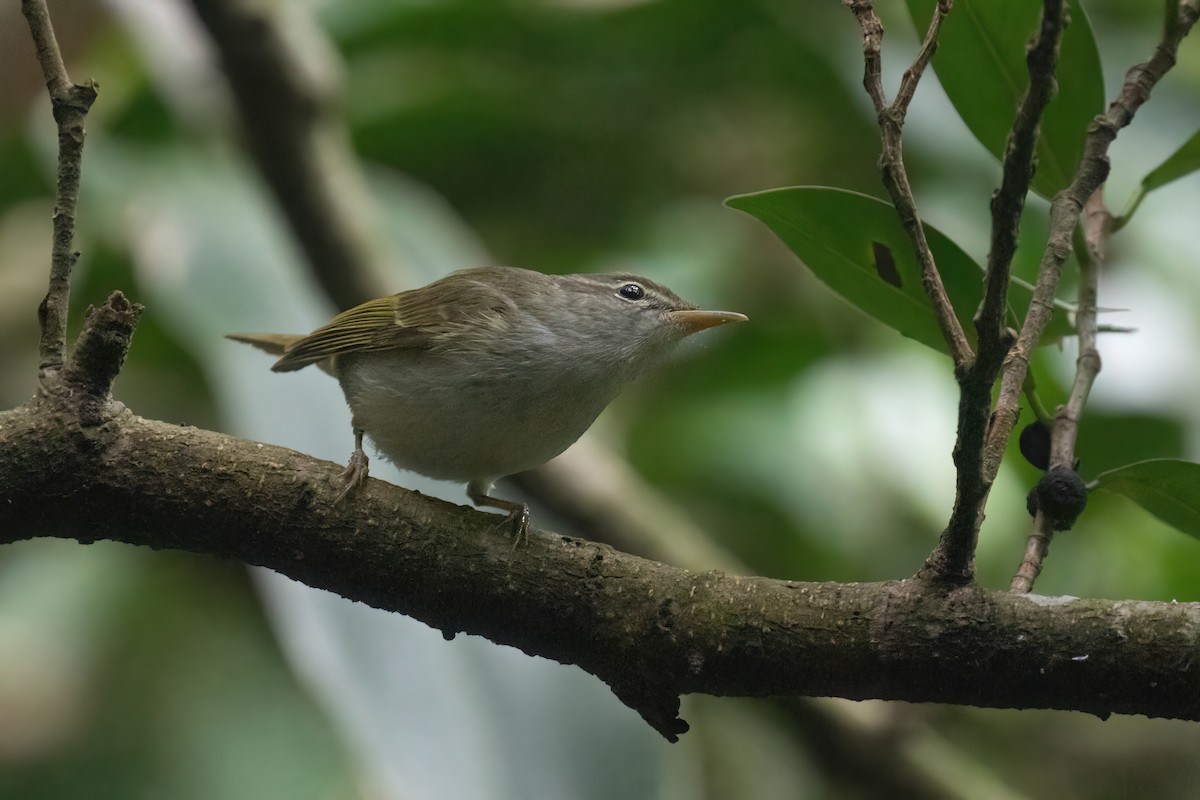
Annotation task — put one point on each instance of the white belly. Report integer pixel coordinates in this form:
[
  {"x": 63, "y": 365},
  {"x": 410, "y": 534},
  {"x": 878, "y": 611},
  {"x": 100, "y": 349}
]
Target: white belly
[{"x": 430, "y": 413}]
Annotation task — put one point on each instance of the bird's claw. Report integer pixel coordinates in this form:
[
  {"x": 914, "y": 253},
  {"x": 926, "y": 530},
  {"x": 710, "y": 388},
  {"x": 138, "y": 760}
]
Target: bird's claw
[
  {"x": 354, "y": 474},
  {"x": 518, "y": 522}
]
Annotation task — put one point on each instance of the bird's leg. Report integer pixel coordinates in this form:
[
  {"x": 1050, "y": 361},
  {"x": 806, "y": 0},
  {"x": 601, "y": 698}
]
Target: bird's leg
[
  {"x": 518, "y": 513},
  {"x": 356, "y": 471}
]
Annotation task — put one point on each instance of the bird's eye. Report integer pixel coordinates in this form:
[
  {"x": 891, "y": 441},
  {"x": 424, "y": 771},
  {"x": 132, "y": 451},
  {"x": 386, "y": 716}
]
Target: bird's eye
[{"x": 631, "y": 291}]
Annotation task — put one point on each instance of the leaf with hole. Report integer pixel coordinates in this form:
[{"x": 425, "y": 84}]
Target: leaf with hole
[
  {"x": 980, "y": 61},
  {"x": 1166, "y": 487},
  {"x": 856, "y": 246}
]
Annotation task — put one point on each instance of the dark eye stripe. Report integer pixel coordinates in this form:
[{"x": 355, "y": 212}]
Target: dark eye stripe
[{"x": 631, "y": 291}]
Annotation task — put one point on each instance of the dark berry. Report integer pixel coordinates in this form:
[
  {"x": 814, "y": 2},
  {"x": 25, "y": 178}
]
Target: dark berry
[
  {"x": 1035, "y": 444},
  {"x": 1061, "y": 497}
]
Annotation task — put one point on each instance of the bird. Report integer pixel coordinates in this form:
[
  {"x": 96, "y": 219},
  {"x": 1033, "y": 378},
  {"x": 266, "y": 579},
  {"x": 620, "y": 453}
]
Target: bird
[{"x": 489, "y": 371}]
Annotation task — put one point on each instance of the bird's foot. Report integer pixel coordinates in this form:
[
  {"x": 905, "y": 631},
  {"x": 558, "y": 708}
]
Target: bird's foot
[
  {"x": 354, "y": 474},
  {"x": 517, "y": 520}
]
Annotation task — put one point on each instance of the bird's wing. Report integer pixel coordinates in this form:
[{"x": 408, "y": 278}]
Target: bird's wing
[
  {"x": 412, "y": 319},
  {"x": 370, "y": 326}
]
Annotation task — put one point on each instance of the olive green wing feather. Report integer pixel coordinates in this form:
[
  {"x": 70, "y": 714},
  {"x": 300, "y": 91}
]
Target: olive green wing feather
[
  {"x": 371, "y": 326},
  {"x": 412, "y": 319}
]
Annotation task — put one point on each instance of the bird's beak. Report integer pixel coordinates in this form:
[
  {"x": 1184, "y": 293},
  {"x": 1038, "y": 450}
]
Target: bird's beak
[{"x": 694, "y": 321}]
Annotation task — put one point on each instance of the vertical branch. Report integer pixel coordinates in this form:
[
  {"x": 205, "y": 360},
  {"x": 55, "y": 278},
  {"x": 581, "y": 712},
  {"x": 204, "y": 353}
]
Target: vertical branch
[
  {"x": 1009, "y": 200},
  {"x": 953, "y": 557},
  {"x": 70, "y": 103},
  {"x": 891, "y": 159},
  {"x": 1097, "y": 225},
  {"x": 1064, "y": 216},
  {"x": 1036, "y": 548},
  {"x": 1084, "y": 193}
]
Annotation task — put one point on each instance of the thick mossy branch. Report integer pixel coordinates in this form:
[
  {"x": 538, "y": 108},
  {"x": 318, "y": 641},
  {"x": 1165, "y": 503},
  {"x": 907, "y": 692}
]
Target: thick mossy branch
[{"x": 649, "y": 630}]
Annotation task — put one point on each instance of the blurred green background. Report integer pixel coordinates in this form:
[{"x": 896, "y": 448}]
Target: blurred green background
[{"x": 812, "y": 444}]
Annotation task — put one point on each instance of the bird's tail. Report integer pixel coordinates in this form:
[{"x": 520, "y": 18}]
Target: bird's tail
[
  {"x": 277, "y": 344},
  {"x": 274, "y": 343}
]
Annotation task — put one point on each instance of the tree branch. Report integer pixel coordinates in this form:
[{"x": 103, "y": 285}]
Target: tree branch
[
  {"x": 1064, "y": 216},
  {"x": 70, "y": 103},
  {"x": 98, "y": 356},
  {"x": 648, "y": 630},
  {"x": 1037, "y": 546},
  {"x": 891, "y": 159},
  {"x": 1009, "y": 200},
  {"x": 605, "y": 499},
  {"x": 912, "y": 75},
  {"x": 1097, "y": 224},
  {"x": 953, "y": 558}
]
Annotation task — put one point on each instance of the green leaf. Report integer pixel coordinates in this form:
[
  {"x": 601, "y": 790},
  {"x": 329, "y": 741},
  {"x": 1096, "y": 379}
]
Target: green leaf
[
  {"x": 1182, "y": 162},
  {"x": 1166, "y": 487},
  {"x": 856, "y": 245},
  {"x": 980, "y": 61},
  {"x": 1109, "y": 439}
]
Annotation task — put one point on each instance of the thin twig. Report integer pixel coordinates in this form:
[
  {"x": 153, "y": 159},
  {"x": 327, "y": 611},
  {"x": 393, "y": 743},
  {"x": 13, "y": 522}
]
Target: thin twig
[
  {"x": 912, "y": 75},
  {"x": 891, "y": 159},
  {"x": 1009, "y": 200},
  {"x": 70, "y": 103},
  {"x": 44, "y": 41},
  {"x": 1097, "y": 225},
  {"x": 1036, "y": 549},
  {"x": 954, "y": 555}
]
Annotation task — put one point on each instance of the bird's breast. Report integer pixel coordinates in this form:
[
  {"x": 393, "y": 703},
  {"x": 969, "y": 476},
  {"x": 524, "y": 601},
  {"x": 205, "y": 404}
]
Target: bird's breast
[{"x": 454, "y": 417}]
